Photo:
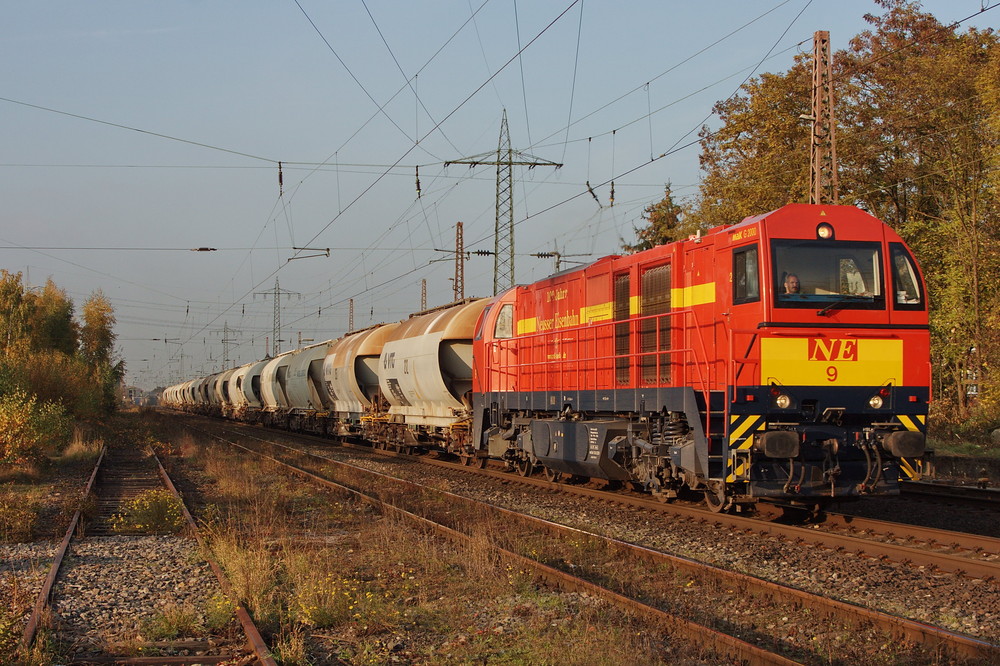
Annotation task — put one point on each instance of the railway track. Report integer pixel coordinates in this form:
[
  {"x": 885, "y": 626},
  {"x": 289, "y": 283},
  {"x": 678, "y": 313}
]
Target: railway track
[
  {"x": 943, "y": 550},
  {"x": 462, "y": 511},
  {"x": 99, "y": 576},
  {"x": 952, "y": 493}
]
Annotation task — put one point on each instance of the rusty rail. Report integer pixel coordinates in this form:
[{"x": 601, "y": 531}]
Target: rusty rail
[
  {"x": 44, "y": 594},
  {"x": 719, "y": 642},
  {"x": 925, "y": 634},
  {"x": 254, "y": 639}
]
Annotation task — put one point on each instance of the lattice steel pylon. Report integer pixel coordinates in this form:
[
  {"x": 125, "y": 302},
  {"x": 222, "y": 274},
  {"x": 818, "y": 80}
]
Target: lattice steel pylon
[
  {"x": 823, "y": 185},
  {"x": 227, "y": 342},
  {"x": 505, "y": 160},
  {"x": 503, "y": 241},
  {"x": 459, "y": 262},
  {"x": 278, "y": 291}
]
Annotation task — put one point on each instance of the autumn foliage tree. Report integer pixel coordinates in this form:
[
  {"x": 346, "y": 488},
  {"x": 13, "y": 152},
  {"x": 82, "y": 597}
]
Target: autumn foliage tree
[
  {"x": 52, "y": 368},
  {"x": 667, "y": 221},
  {"x": 917, "y": 105}
]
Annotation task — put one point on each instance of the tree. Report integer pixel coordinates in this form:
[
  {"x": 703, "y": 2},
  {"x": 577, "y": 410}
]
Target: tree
[
  {"x": 754, "y": 162},
  {"x": 13, "y": 310},
  {"x": 97, "y": 336},
  {"x": 667, "y": 222},
  {"x": 918, "y": 121},
  {"x": 97, "y": 340},
  {"x": 918, "y": 158},
  {"x": 51, "y": 324}
]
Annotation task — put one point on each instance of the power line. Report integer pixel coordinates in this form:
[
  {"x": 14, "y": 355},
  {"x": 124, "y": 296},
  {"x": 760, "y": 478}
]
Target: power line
[
  {"x": 136, "y": 129},
  {"x": 402, "y": 157}
]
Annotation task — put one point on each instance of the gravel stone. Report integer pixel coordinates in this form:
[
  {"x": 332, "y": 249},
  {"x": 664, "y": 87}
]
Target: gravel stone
[
  {"x": 951, "y": 601},
  {"x": 109, "y": 586}
]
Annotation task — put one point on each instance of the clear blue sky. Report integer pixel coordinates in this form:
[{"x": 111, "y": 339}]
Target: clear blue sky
[{"x": 159, "y": 126}]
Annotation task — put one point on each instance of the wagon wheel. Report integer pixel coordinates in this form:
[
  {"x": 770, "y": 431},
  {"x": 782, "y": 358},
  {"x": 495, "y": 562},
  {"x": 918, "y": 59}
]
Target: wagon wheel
[
  {"x": 552, "y": 475},
  {"x": 525, "y": 467},
  {"x": 472, "y": 460}
]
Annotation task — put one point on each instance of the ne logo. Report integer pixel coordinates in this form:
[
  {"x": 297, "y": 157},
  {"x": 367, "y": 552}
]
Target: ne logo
[{"x": 821, "y": 349}]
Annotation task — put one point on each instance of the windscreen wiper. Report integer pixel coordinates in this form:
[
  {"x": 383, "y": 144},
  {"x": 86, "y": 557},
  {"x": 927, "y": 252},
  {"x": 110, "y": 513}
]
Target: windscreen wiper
[{"x": 825, "y": 312}]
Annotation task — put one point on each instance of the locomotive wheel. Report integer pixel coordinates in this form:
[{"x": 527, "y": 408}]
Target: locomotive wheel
[
  {"x": 480, "y": 461},
  {"x": 552, "y": 475},
  {"x": 716, "y": 500},
  {"x": 525, "y": 467}
]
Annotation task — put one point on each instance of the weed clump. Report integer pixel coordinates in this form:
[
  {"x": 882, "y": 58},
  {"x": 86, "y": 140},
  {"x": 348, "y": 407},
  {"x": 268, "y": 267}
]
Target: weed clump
[
  {"x": 17, "y": 519},
  {"x": 153, "y": 511},
  {"x": 172, "y": 622}
]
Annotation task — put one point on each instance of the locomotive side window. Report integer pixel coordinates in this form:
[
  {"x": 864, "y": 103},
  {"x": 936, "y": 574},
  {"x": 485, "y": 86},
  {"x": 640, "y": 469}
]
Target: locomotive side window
[
  {"x": 808, "y": 273},
  {"x": 907, "y": 293},
  {"x": 482, "y": 322},
  {"x": 505, "y": 322},
  {"x": 655, "y": 330},
  {"x": 623, "y": 363},
  {"x": 746, "y": 277}
]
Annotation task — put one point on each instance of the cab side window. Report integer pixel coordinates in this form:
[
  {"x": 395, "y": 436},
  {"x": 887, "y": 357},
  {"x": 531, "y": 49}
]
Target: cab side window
[
  {"x": 482, "y": 322},
  {"x": 746, "y": 276},
  {"x": 505, "y": 322},
  {"x": 908, "y": 294}
]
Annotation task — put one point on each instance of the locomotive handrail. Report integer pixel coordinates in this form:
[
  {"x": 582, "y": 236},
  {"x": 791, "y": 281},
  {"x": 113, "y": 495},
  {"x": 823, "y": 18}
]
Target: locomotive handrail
[{"x": 580, "y": 364}]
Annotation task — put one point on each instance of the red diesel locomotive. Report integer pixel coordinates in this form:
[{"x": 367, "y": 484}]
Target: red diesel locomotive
[{"x": 784, "y": 357}]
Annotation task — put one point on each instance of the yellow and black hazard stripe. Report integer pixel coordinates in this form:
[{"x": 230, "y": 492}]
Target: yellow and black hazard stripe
[
  {"x": 742, "y": 428},
  {"x": 914, "y": 423}
]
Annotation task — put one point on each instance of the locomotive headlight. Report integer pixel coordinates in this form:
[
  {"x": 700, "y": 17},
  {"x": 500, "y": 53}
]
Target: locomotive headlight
[
  {"x": 824, "y": 231},
  {"x": 783, "y": 401},
  {"x": 876, "y": 402}
]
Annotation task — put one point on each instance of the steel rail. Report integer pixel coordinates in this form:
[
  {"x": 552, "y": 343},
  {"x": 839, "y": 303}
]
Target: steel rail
[
  {"x": 957, "y": 564},
  {"x": 45, "y": 593},
  {"x": 719, "y": 642},
  {"x": 918, "y": 632},
  {"x": 989, "y": 497},
  {"x": 968, "y": 566},
  {"x": 974, "y": 543},
  {"x": 254, "y": 639}
]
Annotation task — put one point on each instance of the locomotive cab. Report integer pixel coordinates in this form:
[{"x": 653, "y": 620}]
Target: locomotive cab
[{"x": 834, "y": 386}]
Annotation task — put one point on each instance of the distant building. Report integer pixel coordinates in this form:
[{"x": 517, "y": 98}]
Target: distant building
[{"x": 132, "y": 395}]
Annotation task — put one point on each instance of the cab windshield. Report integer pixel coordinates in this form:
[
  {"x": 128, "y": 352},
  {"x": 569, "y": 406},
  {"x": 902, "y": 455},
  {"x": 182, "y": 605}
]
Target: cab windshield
[{"x": 842, "y": 274}]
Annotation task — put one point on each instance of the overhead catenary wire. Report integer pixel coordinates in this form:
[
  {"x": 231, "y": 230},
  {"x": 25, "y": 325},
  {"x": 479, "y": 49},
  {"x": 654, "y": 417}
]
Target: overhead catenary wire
[
  {"x": 572, "y": 92},
  {"x": 365, "y": 191},
  {"x": 651, "y": 153}
]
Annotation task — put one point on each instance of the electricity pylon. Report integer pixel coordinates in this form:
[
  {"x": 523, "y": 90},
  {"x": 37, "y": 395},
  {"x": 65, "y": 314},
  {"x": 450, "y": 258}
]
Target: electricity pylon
[{"x": 505, "y": 159}]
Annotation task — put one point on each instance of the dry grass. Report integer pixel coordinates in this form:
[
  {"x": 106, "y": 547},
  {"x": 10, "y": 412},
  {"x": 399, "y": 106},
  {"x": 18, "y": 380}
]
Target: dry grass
[
  {"x": 129, "y": 644},
  {"x": 41, "y": 495},
  {"x": 328, "y": 579},
  {"x": 83, "y": 446},
  {"x": 18, "y": 515}
]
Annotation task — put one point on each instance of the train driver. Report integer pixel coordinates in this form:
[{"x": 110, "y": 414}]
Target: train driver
[{"x": 791, "y": 283}]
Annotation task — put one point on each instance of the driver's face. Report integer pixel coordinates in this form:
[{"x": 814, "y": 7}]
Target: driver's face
[{"x": 792, "y": 285}]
